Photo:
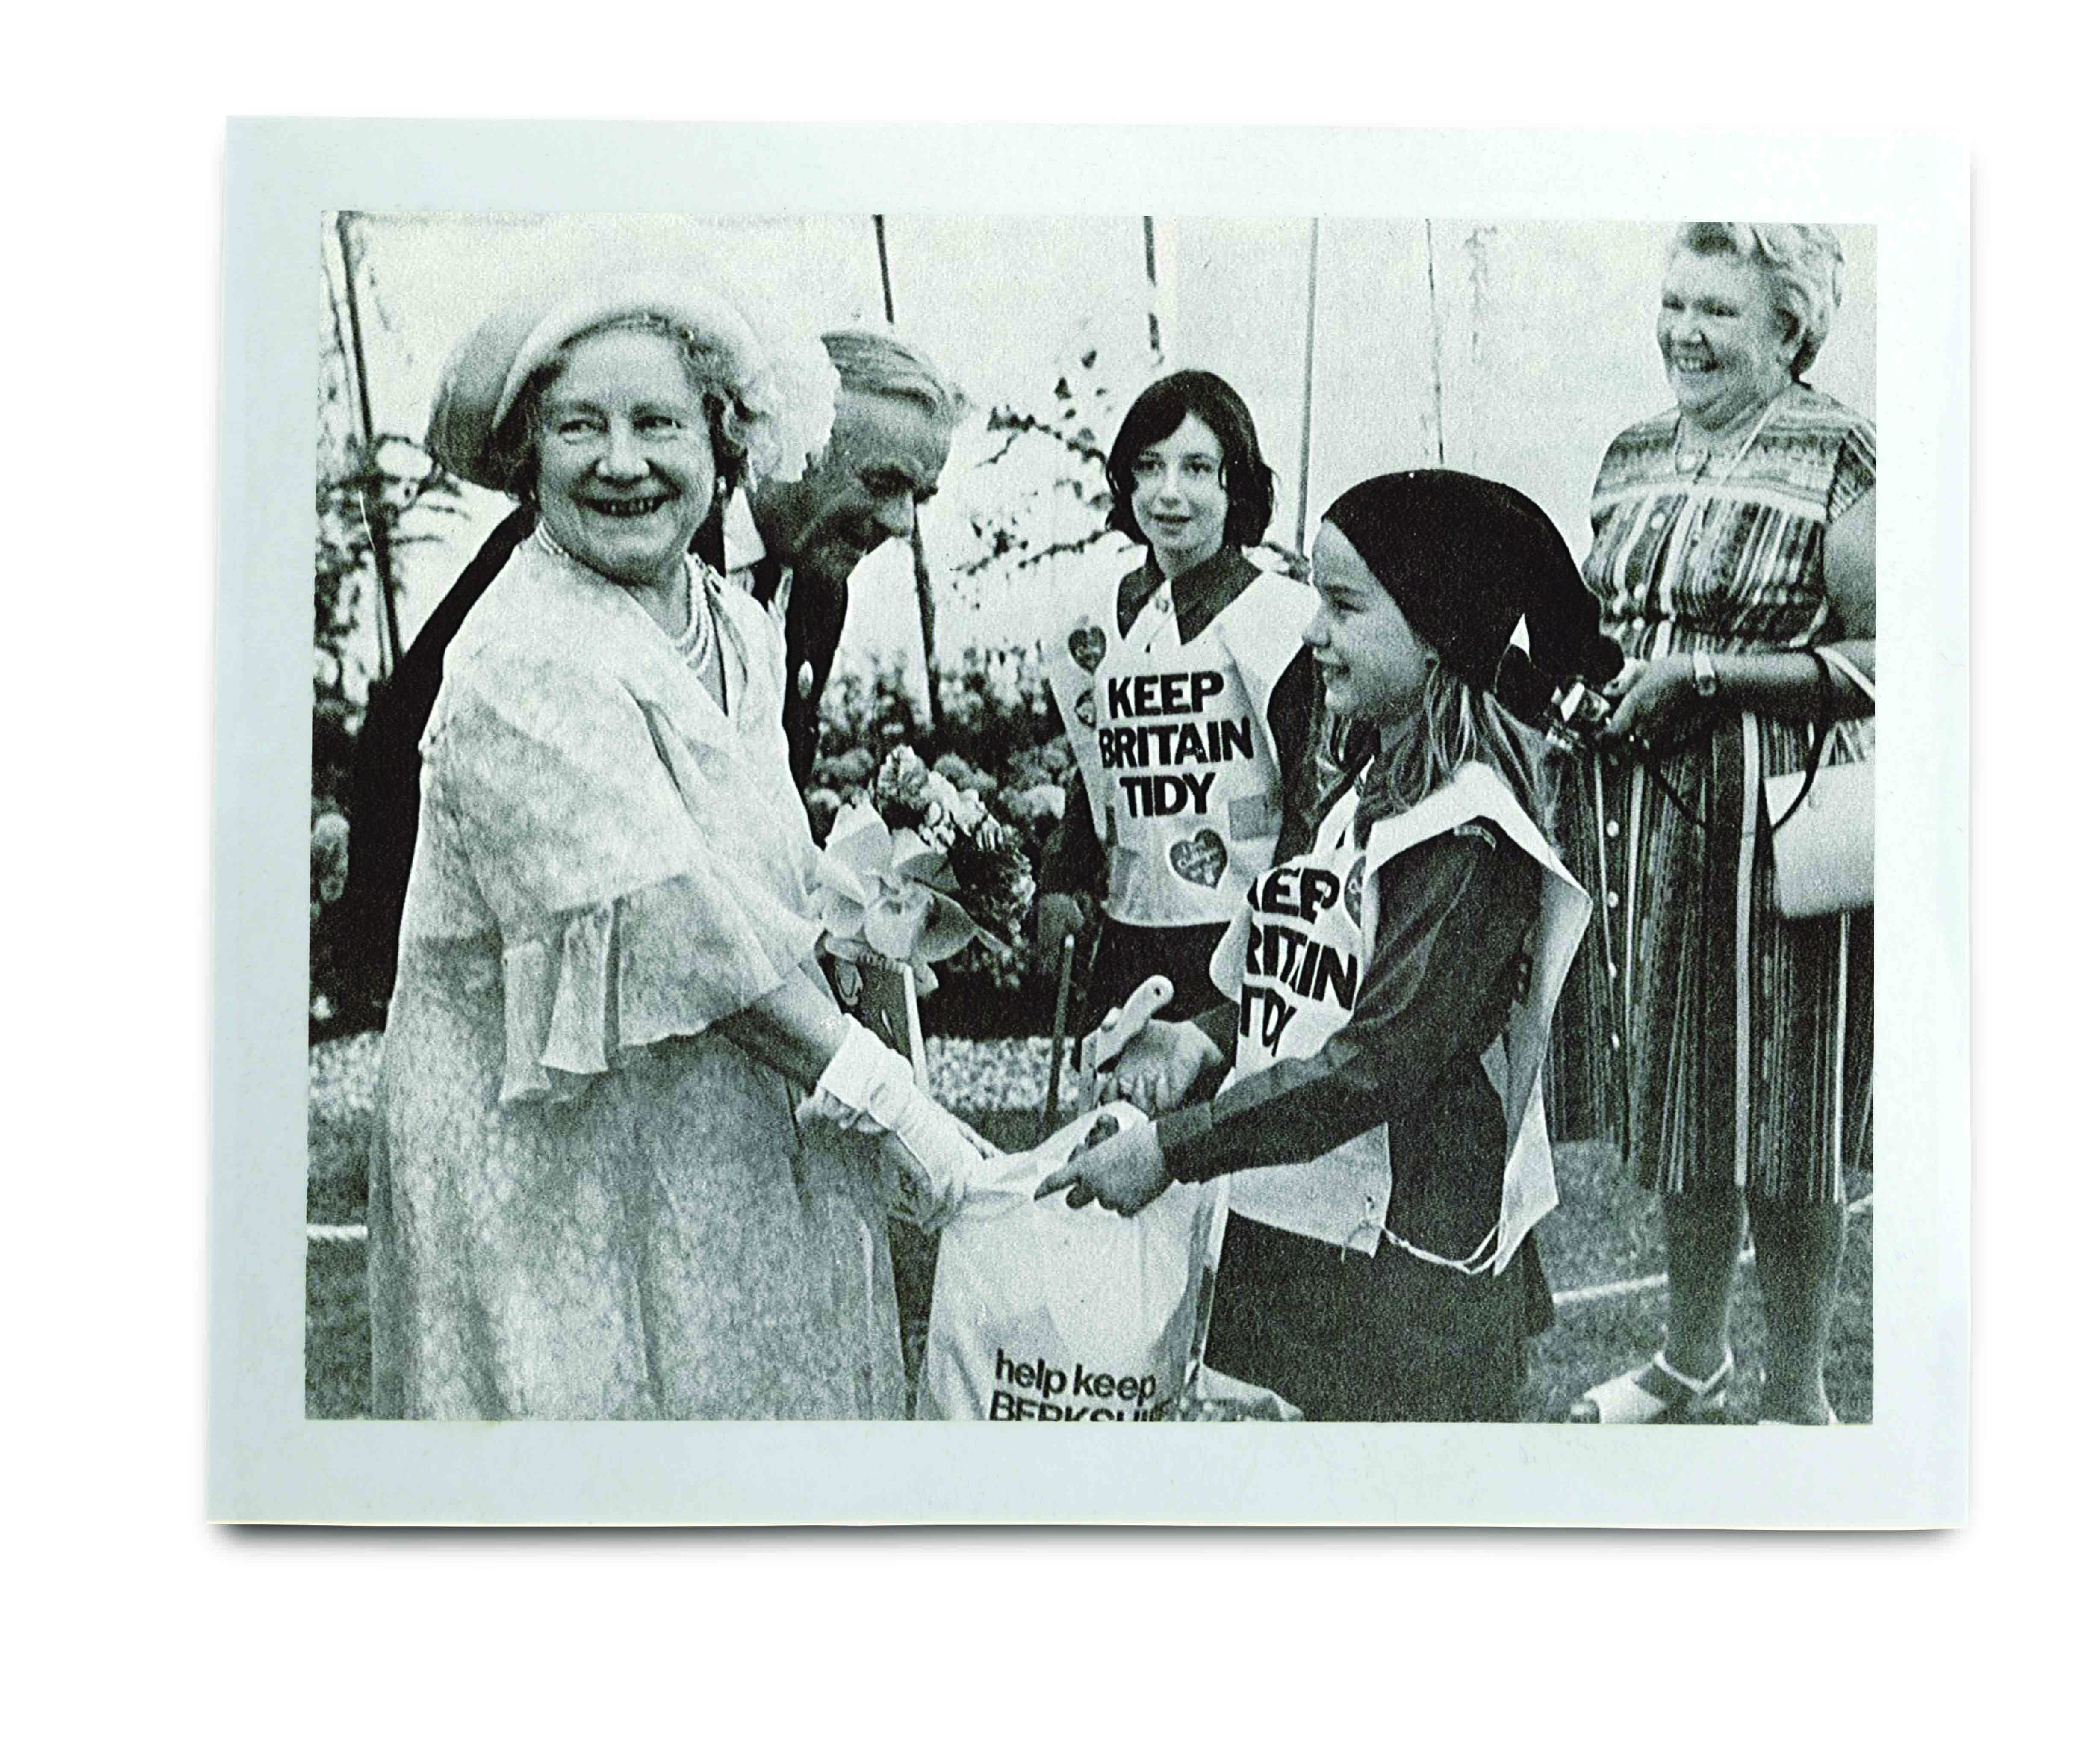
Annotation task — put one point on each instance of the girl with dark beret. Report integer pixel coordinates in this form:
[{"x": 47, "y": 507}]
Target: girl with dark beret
[{"x": 1389, "y": 987}]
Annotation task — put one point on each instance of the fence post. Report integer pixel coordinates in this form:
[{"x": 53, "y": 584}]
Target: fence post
[
  {"x": 375, "y": 514},
  {"x": 1305, "y": 412},
  {"x": 922, "y": 580}
]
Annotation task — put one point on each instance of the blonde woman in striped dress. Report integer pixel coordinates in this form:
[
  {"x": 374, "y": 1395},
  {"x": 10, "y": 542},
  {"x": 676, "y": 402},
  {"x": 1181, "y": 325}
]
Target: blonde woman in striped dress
[{"x": 1728, "y": 1048}]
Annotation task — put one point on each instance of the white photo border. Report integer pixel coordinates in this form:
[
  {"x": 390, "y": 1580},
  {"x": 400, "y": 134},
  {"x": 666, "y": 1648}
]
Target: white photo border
[{"x": 268, "y": 1462}]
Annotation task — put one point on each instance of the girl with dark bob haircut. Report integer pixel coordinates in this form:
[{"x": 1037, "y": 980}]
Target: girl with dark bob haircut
[
  {"x": 1161, "y": 408},
  {"x": 1187, "y": 699}
]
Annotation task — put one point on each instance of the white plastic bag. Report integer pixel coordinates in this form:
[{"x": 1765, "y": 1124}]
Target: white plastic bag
[{"x": 1044, "y": 1314}]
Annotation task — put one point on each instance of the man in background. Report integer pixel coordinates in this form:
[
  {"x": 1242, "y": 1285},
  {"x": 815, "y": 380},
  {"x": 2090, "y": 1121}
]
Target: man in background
[{"x": 897, "y": 415}]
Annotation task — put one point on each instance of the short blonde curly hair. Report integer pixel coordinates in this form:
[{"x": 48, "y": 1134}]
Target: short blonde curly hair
[{"x": 1803, "y": 262}]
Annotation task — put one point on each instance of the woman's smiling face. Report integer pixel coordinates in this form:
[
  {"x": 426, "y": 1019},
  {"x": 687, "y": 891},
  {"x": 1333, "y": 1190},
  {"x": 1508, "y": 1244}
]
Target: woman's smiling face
[
  {"x": 1373, "y": 664},
  {"x": 1724, "y": 340},
  {"x": 627, "y": 469}
]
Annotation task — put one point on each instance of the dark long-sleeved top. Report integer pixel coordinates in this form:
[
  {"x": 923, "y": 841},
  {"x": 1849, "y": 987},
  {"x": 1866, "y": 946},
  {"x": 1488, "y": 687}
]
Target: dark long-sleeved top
[
  {"x": 1073, "y": 861},
  {"x": 1456, "y": 912}
]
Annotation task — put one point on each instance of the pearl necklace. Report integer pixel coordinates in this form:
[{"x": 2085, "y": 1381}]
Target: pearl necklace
[{"x": 695, "y": 642}]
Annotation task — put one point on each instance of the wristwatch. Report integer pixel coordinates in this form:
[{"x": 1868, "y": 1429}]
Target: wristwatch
[{"x": 1703, "y": 676}]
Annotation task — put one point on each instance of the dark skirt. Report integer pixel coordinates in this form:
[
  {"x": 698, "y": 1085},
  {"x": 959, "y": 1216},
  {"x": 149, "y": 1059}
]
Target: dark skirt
[{"x": 1389, "y": 1338}]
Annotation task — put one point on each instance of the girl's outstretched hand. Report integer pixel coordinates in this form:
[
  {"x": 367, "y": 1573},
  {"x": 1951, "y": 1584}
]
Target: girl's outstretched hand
[
  {"x": 1124, "y": 1171},
  {"x": 1160, "y": 1064}
]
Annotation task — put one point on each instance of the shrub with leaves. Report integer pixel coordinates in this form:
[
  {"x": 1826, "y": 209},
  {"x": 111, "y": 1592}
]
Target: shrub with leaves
[{"x": 1001, "y": 742}]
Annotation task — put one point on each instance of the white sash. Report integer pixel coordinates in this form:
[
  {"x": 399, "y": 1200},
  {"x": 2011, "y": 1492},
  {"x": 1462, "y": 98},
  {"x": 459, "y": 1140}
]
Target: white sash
[
  {"x": 1173, "y": 744},
  {"x": 1318, "y": 916}
]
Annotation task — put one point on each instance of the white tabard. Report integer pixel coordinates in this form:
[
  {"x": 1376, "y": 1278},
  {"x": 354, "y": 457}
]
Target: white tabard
[
  {"x": 1294, "y": 961},
  {"x": 1173, "y": 744}
]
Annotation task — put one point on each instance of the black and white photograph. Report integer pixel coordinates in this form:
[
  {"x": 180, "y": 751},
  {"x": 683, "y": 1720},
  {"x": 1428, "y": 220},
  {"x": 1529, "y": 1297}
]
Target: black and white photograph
[
  {"x": 1139, "y": 816},
  {"x": 747, "y": 740}
]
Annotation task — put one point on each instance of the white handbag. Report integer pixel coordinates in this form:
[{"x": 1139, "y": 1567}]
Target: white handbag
[{"x": 1823, "y": 822}]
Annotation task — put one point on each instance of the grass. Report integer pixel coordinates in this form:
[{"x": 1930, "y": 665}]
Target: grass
[
  {"x": 1605, "y": 1231},
  {"x": 338, "y": 1345}
]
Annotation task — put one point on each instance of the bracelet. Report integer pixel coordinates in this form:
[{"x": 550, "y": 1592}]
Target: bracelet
[{"x": 1705, "y": 678}]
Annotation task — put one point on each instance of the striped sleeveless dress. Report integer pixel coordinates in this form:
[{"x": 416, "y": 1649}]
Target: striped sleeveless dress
[{"x": 1715, "y": 1041}]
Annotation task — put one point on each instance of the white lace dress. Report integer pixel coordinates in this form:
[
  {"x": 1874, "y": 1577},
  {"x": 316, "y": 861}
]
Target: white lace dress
[{"x": 585, "y": 1204}]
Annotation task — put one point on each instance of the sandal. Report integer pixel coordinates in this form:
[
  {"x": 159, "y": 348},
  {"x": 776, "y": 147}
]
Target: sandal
[{"x": 1655, "y": 1393}]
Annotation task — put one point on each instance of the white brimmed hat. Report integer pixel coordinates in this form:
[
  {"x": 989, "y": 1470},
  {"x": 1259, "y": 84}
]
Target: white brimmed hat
[{"x": 780, "y": 400}]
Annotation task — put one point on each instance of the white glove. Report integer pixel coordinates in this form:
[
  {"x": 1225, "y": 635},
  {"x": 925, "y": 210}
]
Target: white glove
[{"x": 867, "y": 1085}]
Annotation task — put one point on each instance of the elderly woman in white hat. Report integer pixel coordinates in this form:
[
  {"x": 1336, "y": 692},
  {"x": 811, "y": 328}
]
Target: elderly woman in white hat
[{"x": 591, "y": 1197}]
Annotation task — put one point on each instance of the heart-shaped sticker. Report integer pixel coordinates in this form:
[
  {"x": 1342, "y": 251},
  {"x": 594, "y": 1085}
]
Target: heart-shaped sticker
[
  {"x": 1201, "y": 859},
  {"x": 1083, "y": 708},
  {"x": 1088, "y": 646},
  {"x": 1353, "y": 893}
]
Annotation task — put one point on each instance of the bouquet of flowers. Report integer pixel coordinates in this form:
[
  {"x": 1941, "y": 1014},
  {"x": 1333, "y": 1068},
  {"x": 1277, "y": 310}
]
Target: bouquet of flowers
[{"x": 917, "y": 868}]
